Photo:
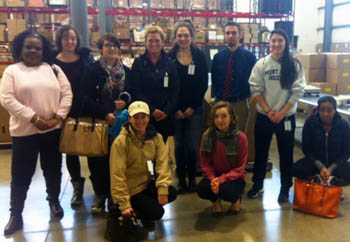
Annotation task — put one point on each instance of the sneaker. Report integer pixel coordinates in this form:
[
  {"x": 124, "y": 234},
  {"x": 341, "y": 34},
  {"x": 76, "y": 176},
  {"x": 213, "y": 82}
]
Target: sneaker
[
  {"x": 283, "y": 197},
  {"x": 98, "y": 205},
  {"x": 255, "y": 191}
]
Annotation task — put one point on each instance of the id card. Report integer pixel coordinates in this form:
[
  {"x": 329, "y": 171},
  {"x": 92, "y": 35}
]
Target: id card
[
  {"x": 287, "y": 125},
  {"x": 150, "y": 167},
  {"x": 191, "y": 69},
  {"x": 166, "y": 80}
]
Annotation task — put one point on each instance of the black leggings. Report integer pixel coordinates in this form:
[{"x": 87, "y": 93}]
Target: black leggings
[
  {"x": 229, "y": 191},
  {"x": 146, "y": 204}
]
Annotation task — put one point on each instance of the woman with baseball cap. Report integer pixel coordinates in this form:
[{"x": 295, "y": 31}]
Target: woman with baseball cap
[{"x": 140, "y": 173}]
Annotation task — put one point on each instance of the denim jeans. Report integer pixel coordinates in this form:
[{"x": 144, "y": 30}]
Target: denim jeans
[{"x": 187, "y": 135}]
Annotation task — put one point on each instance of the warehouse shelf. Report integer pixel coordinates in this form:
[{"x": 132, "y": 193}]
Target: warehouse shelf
[
  {"x": 91, "y": 11},
  {"x": 180, "y": 13}
]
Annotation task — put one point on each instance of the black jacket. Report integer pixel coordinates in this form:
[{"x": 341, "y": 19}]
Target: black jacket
[
  {"x": 332, "y": 148},
  {"x": 86, "y": 59},
  {"x": 147, "y": 83},
  {"x": 94, "y": 104},
  {"x": 192, "y": 87}
]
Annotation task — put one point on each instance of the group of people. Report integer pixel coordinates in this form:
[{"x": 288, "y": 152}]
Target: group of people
[{"x": 163, "y": 94}]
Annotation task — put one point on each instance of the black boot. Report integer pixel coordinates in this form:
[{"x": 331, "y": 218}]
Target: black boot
[
  {"x": 78, "y": 192},
  {"x": 15, "y": 223},
  {"x": 182, "y": 187},
  {"x": 192, "y": 185},
  {"x": 56, "y": 209}
]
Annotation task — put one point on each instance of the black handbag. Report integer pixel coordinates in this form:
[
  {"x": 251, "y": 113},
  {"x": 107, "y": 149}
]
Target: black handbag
[{"x": 122, "y": 229}]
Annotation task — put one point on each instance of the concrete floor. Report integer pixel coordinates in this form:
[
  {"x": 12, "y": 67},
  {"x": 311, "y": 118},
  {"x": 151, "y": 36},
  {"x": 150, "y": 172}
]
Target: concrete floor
[{"x": 186, "y": 220}]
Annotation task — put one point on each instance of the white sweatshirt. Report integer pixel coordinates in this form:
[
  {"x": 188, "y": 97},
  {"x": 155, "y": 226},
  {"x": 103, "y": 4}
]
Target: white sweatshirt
[
  {"x": 265, "y": 80},
  {"x": 26, "y": 91}
]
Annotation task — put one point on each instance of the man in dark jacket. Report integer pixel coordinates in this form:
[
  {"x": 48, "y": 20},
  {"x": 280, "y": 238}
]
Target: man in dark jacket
[{"x": 230, "y": 72}]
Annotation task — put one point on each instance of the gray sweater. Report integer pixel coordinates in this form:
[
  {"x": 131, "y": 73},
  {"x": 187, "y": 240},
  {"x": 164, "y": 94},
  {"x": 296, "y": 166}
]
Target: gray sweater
[{"x": 265, "y": 80}]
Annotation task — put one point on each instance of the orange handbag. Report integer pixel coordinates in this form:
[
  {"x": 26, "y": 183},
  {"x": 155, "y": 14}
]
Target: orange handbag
[{"x": 317, "y": 199}]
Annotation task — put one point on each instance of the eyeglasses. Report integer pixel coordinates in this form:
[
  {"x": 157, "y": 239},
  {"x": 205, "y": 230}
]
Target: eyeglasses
[{"x": 110, "y": 46}]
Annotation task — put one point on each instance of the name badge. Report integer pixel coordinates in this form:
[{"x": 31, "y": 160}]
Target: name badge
[
  {"x": 166, "y": 80},
  {"x": 191, "y": 69},
  {"x": 150, "y": 167},
  {"x": 287, "y": 125}
]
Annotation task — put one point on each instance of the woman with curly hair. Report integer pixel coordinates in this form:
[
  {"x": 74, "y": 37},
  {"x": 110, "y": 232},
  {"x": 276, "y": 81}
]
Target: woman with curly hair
[{"x": 38, "y": 97}]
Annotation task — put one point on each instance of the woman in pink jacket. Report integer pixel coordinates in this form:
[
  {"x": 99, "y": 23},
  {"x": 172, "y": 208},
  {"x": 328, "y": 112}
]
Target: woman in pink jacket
[
  {"x": 224, "y": 152},
  {"x": 38, "y": 97}
]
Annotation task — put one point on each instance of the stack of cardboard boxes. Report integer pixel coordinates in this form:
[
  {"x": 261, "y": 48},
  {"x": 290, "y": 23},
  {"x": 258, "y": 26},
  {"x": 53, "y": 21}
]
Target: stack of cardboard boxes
[
  {"x": 15, "y": 3},
  {"x": 15, "y": 26},
  {"x": 121, "y": 4},
  {"x": 4, "y": 125},
  {"x": 198, "y": 5},
  {"x": 329, "y": 71},
  {"x": 250, "y": 33}
]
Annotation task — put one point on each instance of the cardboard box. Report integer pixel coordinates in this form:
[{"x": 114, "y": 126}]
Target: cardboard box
[
  {"x": 121, "y": 3},
  {"x": 198, "y": 4},
  {"x": 212, "y": 4},
  {"x": 212, "y": 36},
  {"x": 136, "y": 4},
  {"x": 180, "y": 4},
  {"x": 338, "y": 75},
  {"x": 2, "y": 33},
  {"x": 36, "y": 3},
  {"x": 15, "y": 3},
  {"x": 339, "y": 60},
  {"x": 123, "y": 33},
  {"x": 326, "y": 87},
  {"x": 313, "y": 60},
  {"x": 95, "y": 36},
  {"x": 315, "y": 75},
  {"x": 200, "y": 36},
  {"x": 156, "y": 4},
  {"x": 343, "y": 87},
  {"x": 168, "y": 4}
]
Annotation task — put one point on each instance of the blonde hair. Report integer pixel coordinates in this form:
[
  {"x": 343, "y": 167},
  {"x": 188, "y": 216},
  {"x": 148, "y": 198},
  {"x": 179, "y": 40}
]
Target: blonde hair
[{"x": 154, "y": 29}]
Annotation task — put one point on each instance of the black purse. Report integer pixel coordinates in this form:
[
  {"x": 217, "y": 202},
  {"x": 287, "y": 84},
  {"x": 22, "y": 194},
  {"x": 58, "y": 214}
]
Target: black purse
[{"x": 122, "y": 229}]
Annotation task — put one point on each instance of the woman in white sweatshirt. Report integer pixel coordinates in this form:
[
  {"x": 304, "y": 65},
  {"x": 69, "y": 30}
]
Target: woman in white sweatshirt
[{"x": 277, "y": 82}]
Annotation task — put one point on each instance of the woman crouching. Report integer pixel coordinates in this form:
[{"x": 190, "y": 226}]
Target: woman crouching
[
  {"x": 140, "y": 172},
  {"x": 223, "y": 152}
]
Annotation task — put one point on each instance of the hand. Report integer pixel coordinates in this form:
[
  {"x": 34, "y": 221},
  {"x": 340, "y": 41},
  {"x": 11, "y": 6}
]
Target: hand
[
  {"x": 164, "y": 116},
  {"x": 52, "y": 122},
  {"x": 127, "y": 212},
  {"x": 157, "y": 114},
  {"x": 42, "y": 124},
  {"x": 324, "y": 174},
  {"x": 277, "y": 117},
  {"x": 214, "y": 185},
  {"x": 179, "y": 115},
  {"x": 119, "y": 104},
  {"x": 188, "y": 113},
  {"x": 110, "y": 118},
  {"x": 162, "y": 199}
]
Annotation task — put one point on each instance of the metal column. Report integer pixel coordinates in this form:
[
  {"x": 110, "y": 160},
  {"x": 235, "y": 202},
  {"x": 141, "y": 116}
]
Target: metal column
[
  {"x": 328, "y": 25},
  {"x": 106, "y": 21},
  {"x": 79, "y": 17}
]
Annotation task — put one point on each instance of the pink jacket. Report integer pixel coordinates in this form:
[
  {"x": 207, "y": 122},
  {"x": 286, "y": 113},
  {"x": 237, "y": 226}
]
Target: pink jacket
[
  {"x": 218, "y": 166},
  {"x": 26, "y": 91}
]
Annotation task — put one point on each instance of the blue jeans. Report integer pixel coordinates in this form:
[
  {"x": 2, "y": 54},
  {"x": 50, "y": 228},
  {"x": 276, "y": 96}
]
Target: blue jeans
[{"x": 187, "y": 135}]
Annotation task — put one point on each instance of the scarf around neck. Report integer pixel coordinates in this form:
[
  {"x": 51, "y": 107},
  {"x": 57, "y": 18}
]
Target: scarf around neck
[{"x": 229, "y": 138}]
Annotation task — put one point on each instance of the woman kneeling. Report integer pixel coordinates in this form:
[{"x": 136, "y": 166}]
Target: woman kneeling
[
  {"x": 326, "y": 145},
  {"x": 224, "y": 152},
  {"x": 135, "y": 186}
]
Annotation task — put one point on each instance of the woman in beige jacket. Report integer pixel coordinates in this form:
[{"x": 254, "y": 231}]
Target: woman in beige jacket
[{"x": 140, "y": 172}]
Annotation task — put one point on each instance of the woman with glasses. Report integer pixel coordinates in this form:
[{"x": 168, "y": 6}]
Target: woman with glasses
[
  {"x": 104, "y": 81},
  {"x": 73, "y": 60}
]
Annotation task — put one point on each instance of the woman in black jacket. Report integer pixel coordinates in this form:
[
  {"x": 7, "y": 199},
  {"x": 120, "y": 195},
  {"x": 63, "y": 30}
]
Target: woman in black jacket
[
  {"x": 73, "y": 60},
  {"x": 192, "y": 69},
  {"x": 104, "y": 81},
  {"x": 155, "y": 81},
  {"x": 326, "y": 145}
]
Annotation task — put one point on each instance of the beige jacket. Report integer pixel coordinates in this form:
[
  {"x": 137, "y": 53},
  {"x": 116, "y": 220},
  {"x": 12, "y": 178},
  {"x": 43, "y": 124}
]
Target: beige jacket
[{"x": 128, "y": 165}]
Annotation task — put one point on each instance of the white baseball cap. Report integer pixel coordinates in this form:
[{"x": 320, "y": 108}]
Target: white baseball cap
[{"x": 138, "y": 107}]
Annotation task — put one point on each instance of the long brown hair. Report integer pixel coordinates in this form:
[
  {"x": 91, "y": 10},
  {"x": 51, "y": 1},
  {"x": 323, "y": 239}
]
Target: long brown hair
[{"x": 228, "y": 106}]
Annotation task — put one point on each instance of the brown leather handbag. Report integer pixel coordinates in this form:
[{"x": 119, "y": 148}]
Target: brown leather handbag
[
  {"x": 85, "y": 137},
  {"x": 317, "y": 199}
]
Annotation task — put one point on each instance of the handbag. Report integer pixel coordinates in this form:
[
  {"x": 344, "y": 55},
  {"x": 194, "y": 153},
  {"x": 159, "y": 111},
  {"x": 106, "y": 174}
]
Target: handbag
[
  {"x": 317, "y": 199},
  {"x": 85, "y": 137},
  {"x": 120, "y": 228}
]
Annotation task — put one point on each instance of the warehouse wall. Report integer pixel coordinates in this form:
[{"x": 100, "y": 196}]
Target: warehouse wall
[{"x": 307, "y": 20}]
